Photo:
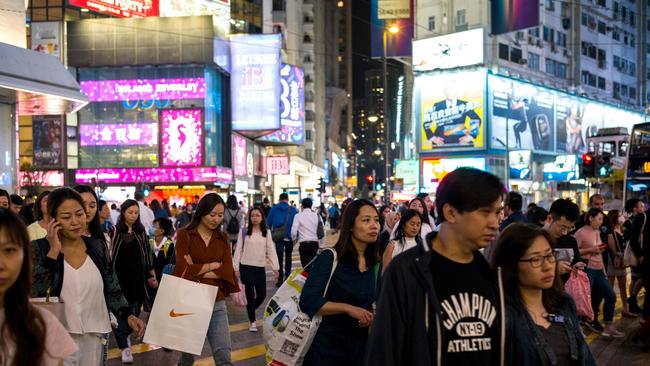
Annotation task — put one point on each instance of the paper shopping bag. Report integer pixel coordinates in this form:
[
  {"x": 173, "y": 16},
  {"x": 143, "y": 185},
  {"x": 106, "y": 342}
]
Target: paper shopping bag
[{"x": 181, "y": 314}]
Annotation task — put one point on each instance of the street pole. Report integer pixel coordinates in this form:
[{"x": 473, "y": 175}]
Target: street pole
[
  {"x": 386, "y": 129},
  {"x": 507, "y": 155}
]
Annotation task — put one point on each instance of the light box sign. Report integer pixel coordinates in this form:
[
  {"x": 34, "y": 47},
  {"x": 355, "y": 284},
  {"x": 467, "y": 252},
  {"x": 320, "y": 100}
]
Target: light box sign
[
  {"x": 408, "y": 171},
  {"x": 143, "y": 89},
  {"x": 46, "y": 38},
  {"x": 277, "y": 165},
  {"x": 393, "y": 9},
  {"x": 448, "y": 51},
  {"x": 120, "y": 8},
  {"x": 123, "y": 134},
  {"x": 239, "y": 155},
  {"x": 292, "y": 108},
  {"x": 47, "y": 137},
  {"x": 564, "y": 168},
  {"x": 255, "y": 82},
  {"x": 520, "y": 164},
  {"x": 434, "y": 170},
  {"x": 49, "y": 178},
  {"x": 181, "y": 137},
  {"x": 451, "y": 114},
  {"x": 219, "y": 175}
]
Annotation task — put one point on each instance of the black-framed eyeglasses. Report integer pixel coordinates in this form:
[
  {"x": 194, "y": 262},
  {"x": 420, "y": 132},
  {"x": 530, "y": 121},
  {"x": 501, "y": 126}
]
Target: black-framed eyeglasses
[{"x": 538, "y": 261}]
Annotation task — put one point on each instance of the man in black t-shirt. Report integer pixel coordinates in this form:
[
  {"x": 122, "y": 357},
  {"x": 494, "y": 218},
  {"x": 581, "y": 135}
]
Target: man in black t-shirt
[
  {"x": 562, "y": 217},
  {"x": 443, "y": 306}
]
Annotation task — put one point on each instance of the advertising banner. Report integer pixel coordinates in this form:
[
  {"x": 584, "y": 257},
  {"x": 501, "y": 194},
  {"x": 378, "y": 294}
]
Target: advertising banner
[
  {"x": 520, "y": 167},
  {"x": 46, "y": 38},
  {"x": 277, "y": 165},
  {"x": 255, "y": 82},
  {"x": 433, "y": 170},
  {"x": 120, "y": 8},
  {"x": 564, "y": 168},
  {"x": 525, "y": 112},
  {"x": 292, "y": 108},
  {"x": 181, "y": 137},
  {"x": 407, "y": 170},
  {"x": 143, "y": 89},
  {"x": 451, "y": 114},
  {"x": 47, "y": 137},
  {"x": 513, "y": 15},
  {"x": 393, "y": 9},
  {"x": 239, "y": 155},
  {"x": 123, "y": 134},
  {"x": 448, "y": 51},
  {"x": 218, "y": 174},
  {"x": 397, "y": 45}
]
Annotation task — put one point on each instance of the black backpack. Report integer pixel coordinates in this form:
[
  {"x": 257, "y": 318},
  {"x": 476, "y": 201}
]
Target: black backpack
[{"x": 233, "y": 225}]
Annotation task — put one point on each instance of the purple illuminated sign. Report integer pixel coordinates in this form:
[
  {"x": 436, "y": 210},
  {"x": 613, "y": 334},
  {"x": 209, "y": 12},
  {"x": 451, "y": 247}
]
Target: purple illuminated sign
[
  {"x": 181, "y": 137},
  {"x": 143, "y": 89},
  {"x": 292, "y": 108},
  {"x": 118, "y": 134},
  {"x": 156, "y": 175}
]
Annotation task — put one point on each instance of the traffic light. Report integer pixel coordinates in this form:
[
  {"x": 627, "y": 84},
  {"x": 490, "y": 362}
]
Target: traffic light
[
  {"x": 588, "y": 166},
  {"x": 604, "y": 165},
  {"x": 321, "y": 185},
  {"x": 369, "y": 180}
]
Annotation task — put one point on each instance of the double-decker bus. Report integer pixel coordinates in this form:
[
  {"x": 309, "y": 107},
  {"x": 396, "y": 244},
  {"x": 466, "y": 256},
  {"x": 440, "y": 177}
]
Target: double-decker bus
[
  {"x": 609, "y": 148},
  {"x": 637, "y": 174}
]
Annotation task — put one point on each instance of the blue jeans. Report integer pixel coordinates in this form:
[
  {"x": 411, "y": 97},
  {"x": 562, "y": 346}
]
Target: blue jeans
[
  {"x": 218, "y": 337},
  {"x": 123, "y": 329},
  {"x": 600, "y": 288}
]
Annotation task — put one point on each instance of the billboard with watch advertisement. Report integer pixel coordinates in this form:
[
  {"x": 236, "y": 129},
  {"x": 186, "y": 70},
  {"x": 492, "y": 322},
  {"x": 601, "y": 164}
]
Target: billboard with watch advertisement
[{"x": 120, "y": 9}]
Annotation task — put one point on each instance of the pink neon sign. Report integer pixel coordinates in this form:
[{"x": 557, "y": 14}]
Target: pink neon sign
[
  {"x": 181, "y": 137},
  {"x": 239, "y": 158},
  {"x": 118, "y": 134},
  {"x": 156, "y": 175},
  {"x": 277, "y": 165},
  {"x": 143, "y": 89}
]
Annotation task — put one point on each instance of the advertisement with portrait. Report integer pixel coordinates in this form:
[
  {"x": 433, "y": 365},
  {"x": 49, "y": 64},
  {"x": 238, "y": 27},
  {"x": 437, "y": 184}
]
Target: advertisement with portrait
[
  {"x": 46, "y": 38},
  {"x": 450, "y": 114},
  {"x": 434, "y": 169},
  {"x": 523, "y": 111},
  {"x": 520, "y": 164},
  {"x": 292, "y": 108},
  {"x": 255, "y": 83},
  {"x": 47, "y": 137},
  {"x": 181, "y": 137}
]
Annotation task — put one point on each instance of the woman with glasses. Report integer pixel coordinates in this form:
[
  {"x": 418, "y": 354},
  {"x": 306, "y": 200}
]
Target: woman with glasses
[{"x": 542, "y": 327}]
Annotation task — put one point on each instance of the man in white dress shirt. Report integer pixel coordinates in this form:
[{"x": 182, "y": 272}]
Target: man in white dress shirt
[
  {"x": 305, "y": 231},
  {"x": 146, "y": 215}
]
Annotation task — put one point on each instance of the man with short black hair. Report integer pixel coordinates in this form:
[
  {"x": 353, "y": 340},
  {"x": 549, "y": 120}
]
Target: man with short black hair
[
  {"x": 4, "y": 199},
  {"x": 146, "y": 215},
  {"x": 304, "y": 231},
  {"x": 512, "y": 209},
  {"x": 280, "y": 221},
  {"x": 16, "y": 203},
  {"x": 419, "y": 321},
  {"x": 562, "y": 217}
]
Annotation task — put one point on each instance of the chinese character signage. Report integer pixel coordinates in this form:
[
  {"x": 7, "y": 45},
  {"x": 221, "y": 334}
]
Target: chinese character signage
[
  {"x": 181, "y": 137},
  {"x": 48, "y": 141},
  {"x": 143, "y": 89},
  {"x": 123, "y": 134},
  {"x": 255, "y": 82},
  {"x": 451, "y": 114},
  {"x": 156, "y": 175},
  {"x": 277, "y": 165},
  {"x": 292, "y": 108},
  {"x": 46, "y": 38},
  {"x": 120, "y": 8}
]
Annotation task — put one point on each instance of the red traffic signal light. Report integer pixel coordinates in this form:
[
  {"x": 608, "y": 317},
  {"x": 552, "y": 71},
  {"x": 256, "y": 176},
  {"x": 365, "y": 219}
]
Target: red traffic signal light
[
  {"x": 587, "y": 158},
  {"x": 369, "y": 179}
]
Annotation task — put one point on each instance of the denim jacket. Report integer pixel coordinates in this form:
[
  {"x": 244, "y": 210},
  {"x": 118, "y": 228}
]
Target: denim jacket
[
  {"x": 47, "y": 273},
  {"x": 526, "y": 345}
]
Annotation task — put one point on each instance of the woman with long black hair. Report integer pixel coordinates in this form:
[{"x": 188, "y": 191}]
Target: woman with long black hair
[
  {"x": 407, "y": 236},
  {"x": 347, "y": 307},
  {"x": 29, "y": 335},
  {"x": 133, "y": 264},
  {"x": 203, "y": 254},
  {"x": 93, "y": 225}
]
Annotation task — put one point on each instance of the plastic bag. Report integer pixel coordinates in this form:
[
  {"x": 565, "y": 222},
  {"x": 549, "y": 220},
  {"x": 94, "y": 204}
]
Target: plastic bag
[
  {"x": 579, "y": 289},
  {"x": 239, "y": 298}
]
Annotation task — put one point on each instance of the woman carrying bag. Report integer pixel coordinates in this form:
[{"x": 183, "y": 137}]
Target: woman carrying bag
[
  {"x": 203, "y": 255},
  {"x": 254, "y": 249}
]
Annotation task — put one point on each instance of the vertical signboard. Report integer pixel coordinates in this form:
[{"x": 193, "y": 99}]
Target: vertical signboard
[
  {"x": 181, "y": 137},
  {"x": 513, "y": 15},
  {"x": 239, "y": 156},
  {"x": 46, "y": 38},
  {"x": 48, "y": 141},
  {"x": 292, "y": 108},
  {"x": 255, "y": 82}
]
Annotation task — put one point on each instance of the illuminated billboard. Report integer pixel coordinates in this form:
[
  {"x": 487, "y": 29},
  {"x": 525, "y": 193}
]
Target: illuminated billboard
[
  {"x": 277, "y": 164},
  {"x": 564, "y": 168},
  {"x": 239, "y": 155},
  {"x": 47, "y": 137},
  {"x": 255, "y": 82},
  {"x": 292, "y": 108},
  {"x": 120, "y": 9},
  {"x": 451, "y": 114},
  {"x": 181, "y": 137},
  {"x": 123, "y": 134},
  {"x": 448, "y": 51},
  {"x": 520, "y": 167},
  {"x": 433, "y": 170},
  {"x": 155, "y": 175},
  {"x": 143, "y": 89}
]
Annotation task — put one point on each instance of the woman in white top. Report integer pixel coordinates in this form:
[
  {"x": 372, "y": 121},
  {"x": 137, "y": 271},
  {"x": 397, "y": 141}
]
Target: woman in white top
[
  {"x": 38, "y": 229},
  {"x": 418, "y": 205},
  {"x": 254, "y": 249},
  {"x": 406, "y": 236}
]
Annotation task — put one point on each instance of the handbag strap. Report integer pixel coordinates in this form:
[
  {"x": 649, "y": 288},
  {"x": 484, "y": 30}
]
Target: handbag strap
[
  {"x": 642, "y": 230},
  {"x": 334, "y": 264}
]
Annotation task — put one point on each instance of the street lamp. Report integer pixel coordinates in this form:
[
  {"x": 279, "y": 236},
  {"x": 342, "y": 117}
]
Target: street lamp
[
  {"x": 373, "y": 119},
  {"x": 392, "y": 29}
]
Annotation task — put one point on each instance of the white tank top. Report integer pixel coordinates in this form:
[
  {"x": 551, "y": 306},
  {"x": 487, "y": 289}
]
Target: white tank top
[
  {"x": 83, "y": 297},
  {"x": 407, "y": 244}
]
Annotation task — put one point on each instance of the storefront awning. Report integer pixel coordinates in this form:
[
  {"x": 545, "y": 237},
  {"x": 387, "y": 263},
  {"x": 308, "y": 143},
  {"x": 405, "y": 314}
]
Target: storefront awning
[{"x": 42, "y": 84}]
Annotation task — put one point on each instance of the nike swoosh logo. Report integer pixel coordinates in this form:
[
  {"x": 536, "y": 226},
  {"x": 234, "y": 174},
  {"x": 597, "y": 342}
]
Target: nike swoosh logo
[{"x": 174, "y": 314}]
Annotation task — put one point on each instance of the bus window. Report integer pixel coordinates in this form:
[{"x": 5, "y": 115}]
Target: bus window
[
  {"x": 622, "y": 148},
  {"x": 607, "y": 147}
]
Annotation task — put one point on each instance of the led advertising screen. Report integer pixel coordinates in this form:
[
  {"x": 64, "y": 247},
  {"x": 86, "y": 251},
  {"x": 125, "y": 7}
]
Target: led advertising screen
[
  {"x": 255, "y": 82},
  {"x": 143, "y": 89},
  {"x": 120, "y": 8},
  {"x": 564, "y": 168},
  {"x": 513, "y": 15},
  {"x": 433, "y": 170},
  {"x": 277, "y": 164},
  {"x": 292, "y": 108},
  {"x": 448, "y": 51},
  {"x": 451, "y": 114},
  {"x": 156, "y": 175},
  {"x": 123, "y": 134},
  {"x": 520, "y": 167},
  {"x": 47, "y": 137},
  {"x": 181, "y": 137}
]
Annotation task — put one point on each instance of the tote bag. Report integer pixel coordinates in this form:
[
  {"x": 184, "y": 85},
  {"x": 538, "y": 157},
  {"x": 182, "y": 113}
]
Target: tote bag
[{"x": 181, "y": 314}]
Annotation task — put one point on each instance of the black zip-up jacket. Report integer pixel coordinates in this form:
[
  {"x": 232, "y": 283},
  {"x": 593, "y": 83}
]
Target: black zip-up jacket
[{"x": 406, "y": 329}]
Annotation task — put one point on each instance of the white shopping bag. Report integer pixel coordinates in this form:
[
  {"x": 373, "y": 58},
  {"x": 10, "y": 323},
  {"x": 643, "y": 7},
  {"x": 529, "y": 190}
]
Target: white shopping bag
[{"x": 181, "y": 314}]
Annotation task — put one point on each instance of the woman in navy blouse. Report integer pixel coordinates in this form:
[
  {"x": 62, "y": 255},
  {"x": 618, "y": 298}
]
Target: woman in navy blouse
[{"x": 347, "y": 307}]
